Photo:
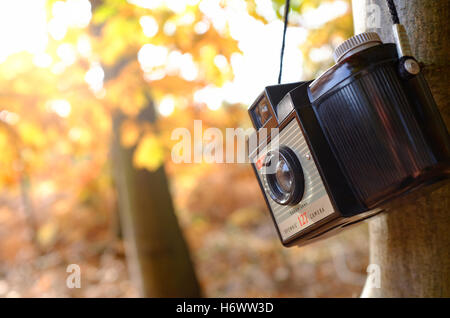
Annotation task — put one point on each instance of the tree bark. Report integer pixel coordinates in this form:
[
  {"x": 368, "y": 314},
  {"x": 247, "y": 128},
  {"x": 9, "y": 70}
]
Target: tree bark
[
  {"x": 157, "y": 254},
  {"x": 411, "y": 244}
]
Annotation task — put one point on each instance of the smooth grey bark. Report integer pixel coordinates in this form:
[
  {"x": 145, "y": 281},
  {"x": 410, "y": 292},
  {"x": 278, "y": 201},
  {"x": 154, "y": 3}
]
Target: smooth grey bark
[{"x": 411, "y": 245}]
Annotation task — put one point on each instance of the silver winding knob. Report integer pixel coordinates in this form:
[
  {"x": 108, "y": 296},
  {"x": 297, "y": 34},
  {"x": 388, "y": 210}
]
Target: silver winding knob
[{"x": 356, "y": 44}]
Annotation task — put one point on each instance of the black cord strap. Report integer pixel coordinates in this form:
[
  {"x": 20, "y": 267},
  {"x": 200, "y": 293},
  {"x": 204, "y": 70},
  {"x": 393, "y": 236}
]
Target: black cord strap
[
  {"x": 393, "y": 11},
  {"x": 286, "y": 13}
]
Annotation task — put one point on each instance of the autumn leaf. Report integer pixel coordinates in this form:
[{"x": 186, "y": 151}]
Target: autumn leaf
[
  {"x": 129, "y": 133},
  {"x": 149, "y": 153},
  {"x": 47, "y": 234}
]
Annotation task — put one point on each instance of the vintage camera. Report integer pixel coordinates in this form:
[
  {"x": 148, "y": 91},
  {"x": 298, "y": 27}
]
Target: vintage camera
[{"x": 344, "y": 147}]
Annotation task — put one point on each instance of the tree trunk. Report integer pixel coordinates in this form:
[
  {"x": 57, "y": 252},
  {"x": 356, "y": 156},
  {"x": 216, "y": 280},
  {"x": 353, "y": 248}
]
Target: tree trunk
[
  {"x": 411, "y": 245},
  {"x": 157, "y": 254}
]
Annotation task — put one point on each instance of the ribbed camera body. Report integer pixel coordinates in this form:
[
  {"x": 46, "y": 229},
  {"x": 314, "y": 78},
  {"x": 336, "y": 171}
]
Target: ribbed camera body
[
  {"x": 385, "y": 132},
  {"x": 348, "y": 144}
]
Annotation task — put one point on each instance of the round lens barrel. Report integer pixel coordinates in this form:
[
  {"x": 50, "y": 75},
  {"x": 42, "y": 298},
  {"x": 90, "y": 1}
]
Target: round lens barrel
[{"x": 285, "y": 180}]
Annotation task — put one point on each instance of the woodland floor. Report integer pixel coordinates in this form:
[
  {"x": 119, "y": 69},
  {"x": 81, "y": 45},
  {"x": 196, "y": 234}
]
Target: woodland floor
[{"x": 231, "y": 238}]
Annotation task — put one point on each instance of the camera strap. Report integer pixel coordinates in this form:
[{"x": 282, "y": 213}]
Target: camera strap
[
  {"x": 401, "y": 38},
  {"x": 286, "y": 13},
  {"x": 393, "y": 11},
  {"x": 399, "y": 33}
]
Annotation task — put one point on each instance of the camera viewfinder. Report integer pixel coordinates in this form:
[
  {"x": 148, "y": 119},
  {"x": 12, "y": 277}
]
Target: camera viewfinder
[{"x": 262, "y": 113}]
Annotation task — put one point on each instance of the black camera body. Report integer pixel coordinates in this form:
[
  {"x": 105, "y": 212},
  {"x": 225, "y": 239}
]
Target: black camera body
[{"x": 348, "y": 144}]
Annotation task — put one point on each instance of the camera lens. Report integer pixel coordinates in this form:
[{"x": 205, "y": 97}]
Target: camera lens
[
  {"x": 285, "y": 179},
  {"x": 284, "y": 176}
]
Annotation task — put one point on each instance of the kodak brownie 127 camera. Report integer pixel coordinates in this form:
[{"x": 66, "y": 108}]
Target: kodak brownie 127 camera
[{"x": 364, "y": 133}]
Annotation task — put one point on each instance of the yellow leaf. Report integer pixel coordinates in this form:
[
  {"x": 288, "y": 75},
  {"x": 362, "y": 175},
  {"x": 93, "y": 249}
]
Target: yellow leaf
[
  {"x": 31, "y": 134},
  {"x": 47, "y": 234},
  {"x": 129, "y": 133},
  {"x": 149, "y": 153}
]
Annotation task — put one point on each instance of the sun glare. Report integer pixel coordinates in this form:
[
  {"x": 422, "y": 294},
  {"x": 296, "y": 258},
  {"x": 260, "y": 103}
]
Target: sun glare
[
  {"x": 60, "y": 106},
  {"x": 166, "y": 106},
  {"x": 94, "y": 77},
  {"x": 22, "y": 29},
  {"x": 149, "y": 25}
]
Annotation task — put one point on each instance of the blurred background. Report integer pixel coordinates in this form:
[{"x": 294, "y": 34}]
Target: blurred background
[{"x": 90, "y": 92}]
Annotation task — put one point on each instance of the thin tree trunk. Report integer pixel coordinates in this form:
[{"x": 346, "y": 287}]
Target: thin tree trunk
[
  {"x": 156, "y": 251},
  {"x": 411, "y": 245}
]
